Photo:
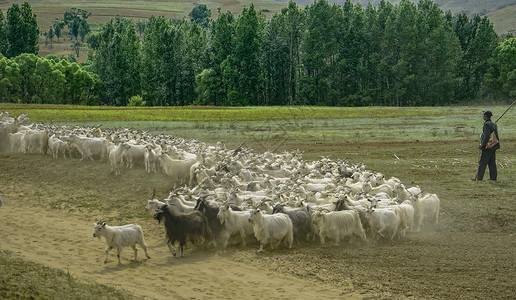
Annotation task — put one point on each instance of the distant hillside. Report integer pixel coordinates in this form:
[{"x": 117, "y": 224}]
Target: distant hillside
[{"x": 501, "y": 12}]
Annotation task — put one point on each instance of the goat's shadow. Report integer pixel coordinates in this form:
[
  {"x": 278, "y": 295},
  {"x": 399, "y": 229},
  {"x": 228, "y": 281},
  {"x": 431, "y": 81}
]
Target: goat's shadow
[
  {"x": 111, "y": 267},
  {"x": 191, "y": 256}
]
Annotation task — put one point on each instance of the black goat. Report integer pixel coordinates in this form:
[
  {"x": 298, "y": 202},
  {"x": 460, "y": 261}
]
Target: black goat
[{"x": 182, "y": 227}]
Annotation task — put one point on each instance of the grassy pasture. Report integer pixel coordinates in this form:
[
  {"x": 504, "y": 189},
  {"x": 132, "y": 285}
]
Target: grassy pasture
[
  {"x": 433, "y": 147},
  {"x": 23, "y": 280},
  {"x": 67, "y": 113},
  {"x": 103, "y": 11},
  {"x": 291, "y": 125},
  {"x": 504, "y": 19}
]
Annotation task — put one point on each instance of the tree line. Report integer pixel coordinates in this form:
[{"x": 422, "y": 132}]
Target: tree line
[{"x": 337, "y": 55}]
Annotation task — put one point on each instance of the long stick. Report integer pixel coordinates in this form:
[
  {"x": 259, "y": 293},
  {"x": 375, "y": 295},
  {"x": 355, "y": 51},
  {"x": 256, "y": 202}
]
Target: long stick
[{"x": 506, "y": 111}]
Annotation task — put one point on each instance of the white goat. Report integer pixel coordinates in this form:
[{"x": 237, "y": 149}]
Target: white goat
[
  {"x": 57, "y": 146},
  {"x": 153, "y": 204},
  {"x": 121, "y": 236},
  {"x": 426, "y": 207},
  {"x": 356, "y": 188},
  {"x": 151, "y": 159},
  {"x": 382, "y": 222},
  {"x": 235, "y": 222},
  {"x": 17, "y": 141},
  {"x": 178, "y": 205},
  {"x": 409, "y": 213},
  {"x": 338, "y": 224},
  {"x": 270, "y": 228},
  {"x": 89, "y": 147},
  {"x": 35, "y": 141},
  {"x": 401, "y": 193},
  {"x": 116, "y": 157},
  {"x": 381, "y": 189},
  {"x": 134, "y": 155},
  {"x": 177, "y": 169}
]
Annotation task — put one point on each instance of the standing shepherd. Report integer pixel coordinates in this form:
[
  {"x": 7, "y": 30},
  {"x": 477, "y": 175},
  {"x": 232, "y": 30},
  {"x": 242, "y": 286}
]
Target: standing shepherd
[{"x": 488, "y": 144}]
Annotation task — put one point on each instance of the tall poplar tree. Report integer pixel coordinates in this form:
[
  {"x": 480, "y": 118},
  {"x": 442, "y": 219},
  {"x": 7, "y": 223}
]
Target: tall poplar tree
[
  {"x": 478, "y": 41},
  {"x": 281, "y": 55},
  {"x": 320, "y": 47},
  {"x": 294, "y": 26},
  {"x": 222, "y": 47},
  {"x": 275, "y": 62},
  {"x": 151, "y": 56},
  {"x": 21, "y": 30},
  {"x": 117, "y": 61},
  {"x": 3, "y": 34},
  {"x": 30, "y": 29},
  {"x": 248, "y": 31}
]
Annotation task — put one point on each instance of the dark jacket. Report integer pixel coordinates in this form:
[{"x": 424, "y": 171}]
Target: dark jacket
[{"x": 489, "y": 126}]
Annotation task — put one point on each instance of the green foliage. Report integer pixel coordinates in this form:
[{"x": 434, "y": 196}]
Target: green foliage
[
  {"x": 281, "y": 55},
  {"x": 3, "y": 34},
  {"x": 76, "y": 20},
  {"x": 21, "y": 31},
  {"x": 247, "y": 62},
  {"x": 95, "y": 114},
  {"x": 28, "y": 78},
  {"x": 207, "y": 87},
  {"x": 403, "y": 54},
  {"x": 58, "y": 26},
  {"x": 26, "y": 280},
  {"x": 173, "y": 54},
  {"x": 136, "y": 101},
  {"x": 478, "y": 40},
  {"x": 500, "y": 78},
  {"x": 117, "y": 61},
  {"x": 200, "y": 15}
]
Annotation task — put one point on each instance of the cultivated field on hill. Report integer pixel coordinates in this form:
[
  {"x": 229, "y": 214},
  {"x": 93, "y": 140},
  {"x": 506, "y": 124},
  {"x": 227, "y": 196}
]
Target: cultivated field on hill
[{"x": 49, "y": 206}]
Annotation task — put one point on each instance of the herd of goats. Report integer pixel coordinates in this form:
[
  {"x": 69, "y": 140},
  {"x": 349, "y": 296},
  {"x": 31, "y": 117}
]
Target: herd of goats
[{"x": 236, "y": 196}]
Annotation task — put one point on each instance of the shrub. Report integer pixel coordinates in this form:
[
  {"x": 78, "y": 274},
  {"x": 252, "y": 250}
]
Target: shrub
[{"x": 136, "y": 101}]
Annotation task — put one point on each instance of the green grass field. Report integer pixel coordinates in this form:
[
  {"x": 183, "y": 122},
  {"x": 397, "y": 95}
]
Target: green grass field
[{"x": 290, "y": 124}]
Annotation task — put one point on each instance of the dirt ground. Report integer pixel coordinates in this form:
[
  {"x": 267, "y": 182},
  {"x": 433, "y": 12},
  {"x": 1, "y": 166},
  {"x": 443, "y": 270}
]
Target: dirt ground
[{"x": 49, "y": 206}]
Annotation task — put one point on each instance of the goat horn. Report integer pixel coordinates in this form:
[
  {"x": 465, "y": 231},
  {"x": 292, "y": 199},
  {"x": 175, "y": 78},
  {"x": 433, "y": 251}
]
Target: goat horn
[{"x": 262, "y": 202}]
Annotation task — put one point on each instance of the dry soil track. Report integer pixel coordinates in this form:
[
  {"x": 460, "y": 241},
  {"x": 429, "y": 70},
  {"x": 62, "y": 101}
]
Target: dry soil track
[{"x": 59, "y": 241}]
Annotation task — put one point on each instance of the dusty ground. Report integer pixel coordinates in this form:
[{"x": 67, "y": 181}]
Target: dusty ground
[{"x": 50, "y": 206}]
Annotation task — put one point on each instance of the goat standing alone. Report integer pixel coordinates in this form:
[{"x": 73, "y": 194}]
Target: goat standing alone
[{"x": 120, "y": 236}]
